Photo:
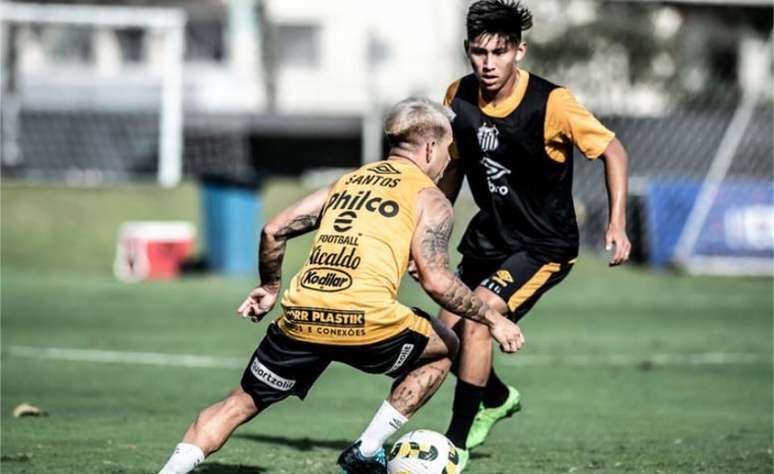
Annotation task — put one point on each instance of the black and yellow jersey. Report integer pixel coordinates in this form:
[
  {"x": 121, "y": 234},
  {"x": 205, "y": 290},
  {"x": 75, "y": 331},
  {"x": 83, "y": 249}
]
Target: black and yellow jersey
[
  {"x": 517, "y": 157},
  {"x": 346, "y": 292}
]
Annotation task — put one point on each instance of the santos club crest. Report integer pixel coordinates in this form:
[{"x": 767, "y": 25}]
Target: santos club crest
[{"x": 487, "y": 137}]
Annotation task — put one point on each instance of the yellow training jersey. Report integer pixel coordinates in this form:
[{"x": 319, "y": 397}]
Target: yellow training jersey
[{"x": 346, "y": 292}]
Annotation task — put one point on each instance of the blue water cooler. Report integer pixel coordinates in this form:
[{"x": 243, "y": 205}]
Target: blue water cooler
[{"x": 232, "y": 221}]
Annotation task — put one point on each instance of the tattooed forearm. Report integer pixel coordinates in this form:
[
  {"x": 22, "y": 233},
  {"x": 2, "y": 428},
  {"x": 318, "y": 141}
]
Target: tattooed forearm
[
  {"x": 270, "y": 261},
  {"x": 297, "y": 226},
  {"x": 272, "y": 248},
  {"x": 454, "y": 295},
  {"x": 463, "y": 302}
]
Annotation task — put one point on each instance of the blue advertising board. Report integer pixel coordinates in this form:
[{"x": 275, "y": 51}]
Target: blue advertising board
[{"x": 740, "y": 222}]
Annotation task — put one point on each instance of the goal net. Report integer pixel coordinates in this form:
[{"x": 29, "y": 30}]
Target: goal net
[{"x": 91, "y": 94}]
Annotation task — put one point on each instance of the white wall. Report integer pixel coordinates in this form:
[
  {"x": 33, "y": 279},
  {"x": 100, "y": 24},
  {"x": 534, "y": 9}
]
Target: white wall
[
  {"x": 420, "y": 36},
  {"x": 422, "y": 40}
]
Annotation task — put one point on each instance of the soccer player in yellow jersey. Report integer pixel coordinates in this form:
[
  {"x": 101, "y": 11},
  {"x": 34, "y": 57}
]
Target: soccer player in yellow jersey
[
  {"x": 514, "y": 134},
  {"x": 342, "y": 305}
]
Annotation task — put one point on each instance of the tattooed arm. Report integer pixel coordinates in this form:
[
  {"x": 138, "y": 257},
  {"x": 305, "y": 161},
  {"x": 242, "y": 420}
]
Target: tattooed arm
[
  {"x": 296, "y": 220},
  {"x": 430, "y": 251}
]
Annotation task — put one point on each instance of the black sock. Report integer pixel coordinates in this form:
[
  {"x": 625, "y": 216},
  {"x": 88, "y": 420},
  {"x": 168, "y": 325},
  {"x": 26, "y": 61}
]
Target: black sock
[
  {"x": 467, "y": 398},
  {"x": 496, "y": 392},
  {"x": 455, "y": 368}
]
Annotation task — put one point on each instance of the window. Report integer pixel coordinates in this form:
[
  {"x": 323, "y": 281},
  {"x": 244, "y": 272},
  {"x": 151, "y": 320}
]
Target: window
[
  {"x": 131, "y": 41},
  {"x": 68, "y": 45},
  {"x": 204, "y": 40},
  {"x": 297, "y": 45}
]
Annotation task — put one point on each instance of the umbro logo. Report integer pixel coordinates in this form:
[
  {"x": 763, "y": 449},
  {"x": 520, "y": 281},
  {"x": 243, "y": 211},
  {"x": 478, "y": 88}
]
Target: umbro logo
[
  {"x": 384, "y": 168},
  {"x": 494, "y": 170},
  {"x": 504, "y": 275}
]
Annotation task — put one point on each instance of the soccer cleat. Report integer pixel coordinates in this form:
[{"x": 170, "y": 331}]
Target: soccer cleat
[
  {"x": 352, "y": 461},
  {"x": 463, "y": 455},
  {"x": 487, "y": 417}
]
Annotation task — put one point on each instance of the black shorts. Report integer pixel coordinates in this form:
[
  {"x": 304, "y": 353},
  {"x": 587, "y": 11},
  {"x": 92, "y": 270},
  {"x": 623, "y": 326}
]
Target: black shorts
[
  {"x": 282, "y": 366},
  {"x": 520, "y": 280}
]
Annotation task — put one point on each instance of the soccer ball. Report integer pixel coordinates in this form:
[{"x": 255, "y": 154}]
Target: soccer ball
[{"x": 422, "y": 452}]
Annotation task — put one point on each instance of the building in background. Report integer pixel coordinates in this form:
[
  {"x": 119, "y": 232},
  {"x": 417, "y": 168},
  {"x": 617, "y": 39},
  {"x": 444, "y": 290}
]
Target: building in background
[
  {"x": 251, "y": 56},
  {"x": 284, "y": 86},
  {"x": 258, "y": 56}
]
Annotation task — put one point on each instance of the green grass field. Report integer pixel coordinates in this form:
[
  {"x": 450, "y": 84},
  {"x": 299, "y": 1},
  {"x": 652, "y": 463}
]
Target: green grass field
[{"x": 624, "y": 370}]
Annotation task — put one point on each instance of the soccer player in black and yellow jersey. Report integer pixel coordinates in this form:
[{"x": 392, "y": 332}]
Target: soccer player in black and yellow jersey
[
  {"x": 514, "y": 134},
  {"x": 342, "y": 305}
]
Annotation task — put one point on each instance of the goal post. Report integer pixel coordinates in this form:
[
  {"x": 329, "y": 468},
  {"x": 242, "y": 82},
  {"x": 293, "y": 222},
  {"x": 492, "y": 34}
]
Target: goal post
[{"x": 169, "y": 23}]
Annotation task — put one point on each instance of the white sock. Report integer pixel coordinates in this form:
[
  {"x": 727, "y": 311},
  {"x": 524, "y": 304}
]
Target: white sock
[
  {"x": 184, "y": 460},
  {"x": 384, "y": 424}
]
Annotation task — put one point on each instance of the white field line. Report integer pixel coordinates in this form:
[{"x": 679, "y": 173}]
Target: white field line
[
  {"x": 199, "y": 361},
  {"x": 140, "y": 358},
  {"x": 704, "y": 358}
]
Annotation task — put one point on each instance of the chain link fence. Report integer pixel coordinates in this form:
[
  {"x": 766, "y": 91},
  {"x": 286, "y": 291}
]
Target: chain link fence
[{"x": 669, "y": 78}]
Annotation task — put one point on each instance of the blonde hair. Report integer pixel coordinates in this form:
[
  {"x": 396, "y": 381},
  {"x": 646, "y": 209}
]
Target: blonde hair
[{"x": 414, "y": 120}]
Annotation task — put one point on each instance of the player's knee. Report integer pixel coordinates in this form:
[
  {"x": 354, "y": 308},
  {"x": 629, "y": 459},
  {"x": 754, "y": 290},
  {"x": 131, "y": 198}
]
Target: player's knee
[
  {"x": 449, "y": 338},
  {"x": 240, "y": 406}
]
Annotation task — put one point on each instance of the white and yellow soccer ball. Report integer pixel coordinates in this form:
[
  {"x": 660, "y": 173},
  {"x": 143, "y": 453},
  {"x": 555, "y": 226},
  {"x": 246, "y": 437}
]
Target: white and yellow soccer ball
[{"x": 423, "y": 452}]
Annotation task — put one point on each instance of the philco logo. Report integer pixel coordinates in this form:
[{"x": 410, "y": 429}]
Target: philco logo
[
  {"x": 503, "y": 277},
  {"x": 363, "y": 200},
  {"x": 262, "y": 373},
  {"x": 384, "y": 168},
  {"x": 326, "y": 279},
  {"x": 344, "y": 222},
  {"x": 487, "y": 137}
]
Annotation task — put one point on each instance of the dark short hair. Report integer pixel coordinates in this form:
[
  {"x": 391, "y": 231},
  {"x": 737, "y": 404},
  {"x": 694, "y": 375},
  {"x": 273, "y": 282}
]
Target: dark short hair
[{"x": 506, "y": 18}]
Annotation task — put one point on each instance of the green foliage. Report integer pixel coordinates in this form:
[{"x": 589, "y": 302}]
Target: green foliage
[
  {"x": 622, "y": 25},
  {"x": 701, "y": 53}
]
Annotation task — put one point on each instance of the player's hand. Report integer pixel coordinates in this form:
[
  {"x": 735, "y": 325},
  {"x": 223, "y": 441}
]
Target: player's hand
[
  {"x": 616, "y": 238},
  {"x": 507, "y": 334},
  {"x": 259, "y": 302},
  {"x": 413, "y": 270}
]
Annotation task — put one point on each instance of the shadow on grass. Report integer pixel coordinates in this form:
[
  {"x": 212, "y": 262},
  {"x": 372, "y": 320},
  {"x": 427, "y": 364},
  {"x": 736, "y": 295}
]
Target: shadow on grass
[
  {"x": 474, "y": 455},
  {"x": 222, "y": 468},
  {"x": 299, "y": 444}
]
